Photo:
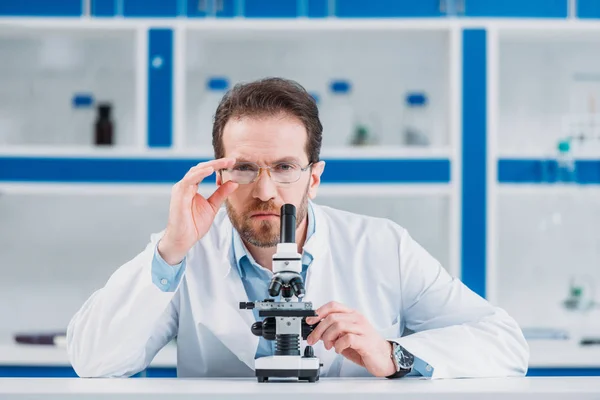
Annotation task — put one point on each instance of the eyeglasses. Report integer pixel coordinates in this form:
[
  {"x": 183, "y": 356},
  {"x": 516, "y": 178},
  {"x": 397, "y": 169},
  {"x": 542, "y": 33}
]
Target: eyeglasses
[{"x": 248, "y": 172}]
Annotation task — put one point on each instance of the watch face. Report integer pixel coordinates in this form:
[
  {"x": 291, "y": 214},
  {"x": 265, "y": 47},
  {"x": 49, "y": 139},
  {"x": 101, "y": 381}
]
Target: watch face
[{"x": 404, "y": 359}]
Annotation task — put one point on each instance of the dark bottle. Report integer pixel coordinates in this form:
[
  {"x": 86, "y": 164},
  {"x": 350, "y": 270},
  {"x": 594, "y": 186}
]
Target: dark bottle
[{"x": 104, "y": 128}]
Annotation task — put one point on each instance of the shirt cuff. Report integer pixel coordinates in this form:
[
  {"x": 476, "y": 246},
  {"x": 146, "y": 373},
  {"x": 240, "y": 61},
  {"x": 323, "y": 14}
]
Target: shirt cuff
[
  {"x": 421, "y": 368},
  {"x": 166, "y": 277}
]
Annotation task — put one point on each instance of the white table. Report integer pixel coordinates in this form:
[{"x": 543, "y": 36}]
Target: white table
[{"x": 326, "y": 388}]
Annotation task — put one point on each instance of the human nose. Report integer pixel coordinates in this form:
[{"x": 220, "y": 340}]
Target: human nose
[{"x": 264, "y": 187}]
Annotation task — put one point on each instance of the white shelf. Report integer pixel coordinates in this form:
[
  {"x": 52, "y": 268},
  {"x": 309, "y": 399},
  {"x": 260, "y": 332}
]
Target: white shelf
[
  {"x": 208, "y": 187},
  {"x": 518, "y": 26},
  {"x": 14, "y": 354},
  {"x": 548, "y": 189},
  {"x": 548, "y": 154}
]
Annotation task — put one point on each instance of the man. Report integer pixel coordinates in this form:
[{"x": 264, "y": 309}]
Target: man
[{"x": 369, "y": 279}]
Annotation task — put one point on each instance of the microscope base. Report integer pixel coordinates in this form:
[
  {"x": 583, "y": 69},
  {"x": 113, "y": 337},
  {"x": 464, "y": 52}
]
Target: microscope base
[{"x": 303, "y": 368}]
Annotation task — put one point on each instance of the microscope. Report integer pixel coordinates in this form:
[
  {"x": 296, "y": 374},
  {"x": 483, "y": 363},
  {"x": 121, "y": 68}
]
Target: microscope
[{"x": 285, "y": 321}]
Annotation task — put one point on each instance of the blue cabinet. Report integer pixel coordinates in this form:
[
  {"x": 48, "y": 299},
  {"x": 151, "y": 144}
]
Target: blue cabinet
[
  {"x": 317, "y": 8},
  {"x": 515, "y": 8},
  {"x": 588, "y": 8},
  {"x": 271, "y": 8},
  {"x": 285, "y": 8},
  {"x": 217, "y": 8},
  {"x": 104, "y": 8},
  {"x": 150, "y": 8},
  {"x": 388, "y": 8},
  {"x": 160, "y": 87},
  {"x": 41, "y": 8}
]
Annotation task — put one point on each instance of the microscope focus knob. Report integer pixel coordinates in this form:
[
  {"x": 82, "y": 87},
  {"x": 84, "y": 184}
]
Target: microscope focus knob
[
  {"x": 256, "y": 328},
  {"x": 266, "y": 328},
  {"x": 309, "y": 352}
]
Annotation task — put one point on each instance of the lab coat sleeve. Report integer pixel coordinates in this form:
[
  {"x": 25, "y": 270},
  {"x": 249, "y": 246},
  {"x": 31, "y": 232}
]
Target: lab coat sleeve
[
  {"x": 457, "y": 333},
  {"x": 122, "y": 326}
]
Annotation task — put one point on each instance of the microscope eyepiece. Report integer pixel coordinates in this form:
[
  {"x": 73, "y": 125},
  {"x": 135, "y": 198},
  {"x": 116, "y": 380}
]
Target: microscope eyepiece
[{"x": 288, "y": 224}]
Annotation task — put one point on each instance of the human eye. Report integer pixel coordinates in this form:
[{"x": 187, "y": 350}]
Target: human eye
[
  {"x": 285, "y": 167},
  {"x": 244, "y": 167}
]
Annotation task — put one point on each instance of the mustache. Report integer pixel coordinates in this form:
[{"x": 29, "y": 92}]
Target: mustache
[{"x": 264, "y": 206}]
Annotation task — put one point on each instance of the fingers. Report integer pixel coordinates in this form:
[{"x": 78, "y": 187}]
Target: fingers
[
  {"x": 197, "y": 173},
  {"x": 350, "y": 341},
  {"x": 219, "y": 163},
  {"x": 325, "y": 310},
  {"x": 332, "y": 326},
  {"x": 219, "y": 196},
  {"x": 337, "y": 330}
]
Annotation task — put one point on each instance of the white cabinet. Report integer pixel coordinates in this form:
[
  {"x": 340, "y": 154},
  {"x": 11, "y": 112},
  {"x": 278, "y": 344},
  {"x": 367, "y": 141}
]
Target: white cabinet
[
  {"x": 59, "y": 247},
  {"x": 549, "y": 89},
  {"x": 543, "y": 235},
  {"x": 53, "y": 80},
  {"x": 378, "y": 69}
]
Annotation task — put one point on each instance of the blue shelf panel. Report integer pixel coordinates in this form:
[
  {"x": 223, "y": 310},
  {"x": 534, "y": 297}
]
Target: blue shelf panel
[
  {"x": 150, "y": 8},
  {"x": 535, "y": 171},
  {"x": 563, "y": 372},
  {"x": 103, "y": 8},
  {"x": 387, "y": 8},
  {"x": 271, "y": 9},
  {"x": 30, "y": 371},
  {"x": 588, "y": 8},
  {"x": 318, "y": 8},
  {"x": 41, "y": 8},
  {"x": 143, "y": 170},
  {"x": 218, "y": 8},
  {"x": 473, "y": 247},
  {"x": 160, "y": 87},
  {"x": 22, "y": 371},
  {"x": 517, "y": 8}
]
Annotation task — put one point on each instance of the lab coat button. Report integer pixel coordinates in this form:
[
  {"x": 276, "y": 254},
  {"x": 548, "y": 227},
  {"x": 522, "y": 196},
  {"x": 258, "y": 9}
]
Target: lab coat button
[
  {"x": 163, "y": 281},
  {"x": 428, "y": 368}
]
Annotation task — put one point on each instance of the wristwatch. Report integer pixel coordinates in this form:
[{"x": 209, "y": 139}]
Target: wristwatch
[{"x": 403, "y": 359}]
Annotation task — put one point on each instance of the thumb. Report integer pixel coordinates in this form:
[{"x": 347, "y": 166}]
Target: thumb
[{"x": 219, "y": 196}]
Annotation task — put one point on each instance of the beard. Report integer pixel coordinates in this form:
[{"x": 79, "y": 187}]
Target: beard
[{"x": 264, "y": 233}]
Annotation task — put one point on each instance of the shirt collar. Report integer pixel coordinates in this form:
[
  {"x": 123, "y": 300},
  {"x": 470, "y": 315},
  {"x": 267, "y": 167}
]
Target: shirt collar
[{"x": 240, "y": 252}]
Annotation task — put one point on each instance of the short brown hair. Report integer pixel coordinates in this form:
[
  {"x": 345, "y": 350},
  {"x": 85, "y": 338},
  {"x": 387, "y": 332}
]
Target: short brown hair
[{"x": 269, "y": 96}]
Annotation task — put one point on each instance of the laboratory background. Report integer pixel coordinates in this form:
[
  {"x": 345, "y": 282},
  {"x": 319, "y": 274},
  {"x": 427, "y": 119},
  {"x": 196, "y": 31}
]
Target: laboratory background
[{"x": 475, "y": 124}]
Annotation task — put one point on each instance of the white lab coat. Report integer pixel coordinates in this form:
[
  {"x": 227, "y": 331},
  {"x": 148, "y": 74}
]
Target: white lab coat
[{"x": 369, "y": 264}]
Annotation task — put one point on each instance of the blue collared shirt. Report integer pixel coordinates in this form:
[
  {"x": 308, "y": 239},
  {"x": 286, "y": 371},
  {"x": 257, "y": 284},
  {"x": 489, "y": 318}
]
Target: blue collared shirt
[{"x": 256, "y": 280}]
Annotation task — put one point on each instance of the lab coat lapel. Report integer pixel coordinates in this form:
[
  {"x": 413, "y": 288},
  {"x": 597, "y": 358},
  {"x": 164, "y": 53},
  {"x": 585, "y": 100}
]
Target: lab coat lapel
[
  {"x": 320, "y": 278},
  {"x": 321, "y": 286},
  {"x": 222, "y": 315}
]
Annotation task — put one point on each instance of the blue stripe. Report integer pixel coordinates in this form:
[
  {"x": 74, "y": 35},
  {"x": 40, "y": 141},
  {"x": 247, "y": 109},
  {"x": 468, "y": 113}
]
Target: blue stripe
[
  {"x": 517, "y": 8},
  {"x": 103, "y": 8},
  {"x": 29, "y": 371},
  {"x": 473, "y": 248},
  {"x": 563, "y": 372},
  {"x": 41, "y": 8},
  {"x": 160, "y": 87},
  {"x": 386, "y": 171},
  {"x": 144, "y": 170},
  {"x": 588, "y": 8},
  {"x": 531, "y": 171}
]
